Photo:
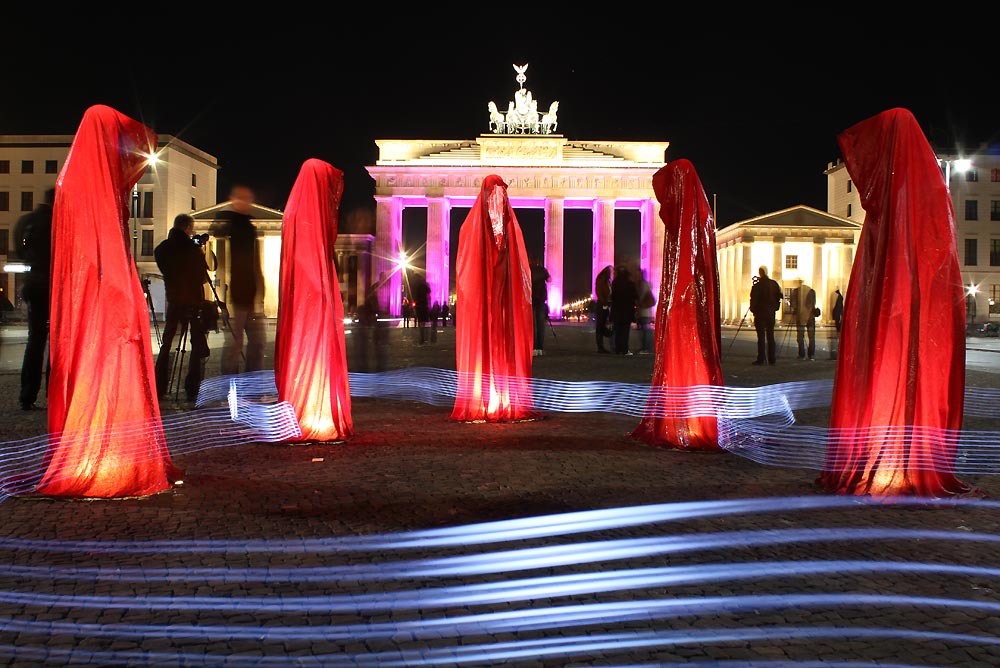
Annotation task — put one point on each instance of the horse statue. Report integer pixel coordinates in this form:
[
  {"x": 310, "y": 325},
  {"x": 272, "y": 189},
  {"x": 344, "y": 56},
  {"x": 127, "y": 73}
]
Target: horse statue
[
  {"x": 511, "y": 118},
  {"x": 549, "y": 120},
  {"x": 496, "y": 118}
]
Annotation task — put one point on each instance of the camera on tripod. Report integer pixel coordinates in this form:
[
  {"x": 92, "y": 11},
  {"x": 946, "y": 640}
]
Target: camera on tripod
[{"x": 200, "y": 239}]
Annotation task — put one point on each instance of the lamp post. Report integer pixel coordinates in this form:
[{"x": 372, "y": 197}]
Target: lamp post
[{"x": 151, "y": 160}]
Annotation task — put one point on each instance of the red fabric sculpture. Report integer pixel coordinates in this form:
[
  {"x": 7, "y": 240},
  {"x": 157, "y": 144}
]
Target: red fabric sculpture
[
  {"x": 688, "y": 330},
  {"x": 107, "y": 439},
  {"x": 310, "y": 360},
  {"x": 898, "y": 392},
  {"x": 493, "y": 336}
]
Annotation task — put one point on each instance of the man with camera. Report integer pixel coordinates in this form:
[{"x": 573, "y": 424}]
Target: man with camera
[{"x": 182, "y": 262}]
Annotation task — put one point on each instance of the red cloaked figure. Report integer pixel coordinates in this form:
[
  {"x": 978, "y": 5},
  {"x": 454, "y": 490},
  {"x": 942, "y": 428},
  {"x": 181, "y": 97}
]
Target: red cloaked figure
[
  {"x": 107, "y": 439},
  {"x": 899, "y": 388},
  {"x": 493, "y": 336},
  {"x": 688, "y": 329},
  {"x": 310, "y": 359}
]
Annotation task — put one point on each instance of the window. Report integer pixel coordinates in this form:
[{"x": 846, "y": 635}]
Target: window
[
  {"x": 193, "y": 207},
  {"x": 27, "y": 166},
  {"x": 971, "y": 251},
  {"x": 972, "y": 209},
  {"x": 27, "y": 200},
  {"x": 147, "y": 242},
  {"x": 4, "y": 243},
  {"x": 995, "y": 209},
  {"x": 850, "y": 209},
  {"x": 51, "y": 166},
  {"x": 147, "y": 204},
  {"x": 995, "y": 252},
  {"x": 972, "y": 175},
  {"x": 194, "y": 180},
  {"x": 4, "y": 166},
  {"x": 4, "y": 201},
  {"x": 995, "y": 175},
  {"x": 791, "y": 262},
  {"x": 850, "y": 185}
]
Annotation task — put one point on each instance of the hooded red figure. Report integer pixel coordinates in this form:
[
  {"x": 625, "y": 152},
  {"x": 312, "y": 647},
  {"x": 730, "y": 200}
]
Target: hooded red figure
[
  {"x": 107, "y": 439},
  {"x": 899, "y": 388},
  {"x": 493, "y": 336},
  {"x": 310, "y": 360},
  {"x": 688, "y": 331}
]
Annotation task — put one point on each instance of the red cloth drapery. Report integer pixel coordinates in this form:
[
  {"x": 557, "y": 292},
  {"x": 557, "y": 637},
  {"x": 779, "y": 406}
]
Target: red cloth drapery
[
  {"x": 688, "y": 330},
  {"x": 107, "y": 439},
  {"x": 493, "y": 335},
  {"x": 310, "y": 360},
  {"x": 901, "y": 367}
]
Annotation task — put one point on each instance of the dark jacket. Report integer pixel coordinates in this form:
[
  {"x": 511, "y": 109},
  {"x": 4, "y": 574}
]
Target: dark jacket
[
  {"x": 246, "y": 276},
  {"x": 33, "y": 241},
  {"x": 182, "y": 264},
  {"x": 539, "y": 292},
  {"x": 624, "y": 297},
  {"x": 765, "y": 296}
]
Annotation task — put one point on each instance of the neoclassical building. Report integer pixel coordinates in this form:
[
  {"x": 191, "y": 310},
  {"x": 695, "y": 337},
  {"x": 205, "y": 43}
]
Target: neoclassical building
[{"x": 547, "y": 172}]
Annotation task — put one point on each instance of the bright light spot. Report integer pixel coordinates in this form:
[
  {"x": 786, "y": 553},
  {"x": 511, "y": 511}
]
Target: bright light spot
[
  {"x": 973, "y": 289},
  {"x": 16, "y": 267},
  {"x": 963, "y": 165},
  {"x": 403, "y": 262}
]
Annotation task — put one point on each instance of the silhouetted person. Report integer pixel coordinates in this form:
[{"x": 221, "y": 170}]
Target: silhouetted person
[
  {"x": 246, "y": 284},
  {"x": 645, "y": 314},
  {"x": 182, "y": 263},
  {"x": 422, "y": 307},
  {"x": 765, "y": 300},
  {"x": 623, "y": 301},
  {"x": 33, "y": 237},
  {"x": 838, "y": 309},
  {"x": 539, "y": 304},
  {"x": 602, "y": 307},
  {"x": 805, "y": 321}
]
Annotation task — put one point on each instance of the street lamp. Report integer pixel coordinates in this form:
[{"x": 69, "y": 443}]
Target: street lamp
[
  {"x": 151, "y": 160},
  {"x": 962, "y": 165}
]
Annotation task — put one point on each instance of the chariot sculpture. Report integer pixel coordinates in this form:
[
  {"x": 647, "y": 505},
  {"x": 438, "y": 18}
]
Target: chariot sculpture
[{"x": 522, "y": 115}]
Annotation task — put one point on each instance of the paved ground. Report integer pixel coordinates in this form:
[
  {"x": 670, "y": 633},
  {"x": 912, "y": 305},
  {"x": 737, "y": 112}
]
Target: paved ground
[{"x": 290, "y": 555}]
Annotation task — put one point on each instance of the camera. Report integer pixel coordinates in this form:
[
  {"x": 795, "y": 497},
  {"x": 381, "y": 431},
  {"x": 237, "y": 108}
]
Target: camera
[{"x": 200, "y": 239}]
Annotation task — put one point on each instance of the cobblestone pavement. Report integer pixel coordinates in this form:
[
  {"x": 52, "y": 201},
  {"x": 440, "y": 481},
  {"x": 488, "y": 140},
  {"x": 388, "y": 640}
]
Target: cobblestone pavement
[{"x": 367, "y": 553}]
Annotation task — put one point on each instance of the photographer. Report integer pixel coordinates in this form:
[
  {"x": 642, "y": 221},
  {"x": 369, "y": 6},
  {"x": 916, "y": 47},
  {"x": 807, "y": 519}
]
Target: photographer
[{"x": 182, "y": 262}]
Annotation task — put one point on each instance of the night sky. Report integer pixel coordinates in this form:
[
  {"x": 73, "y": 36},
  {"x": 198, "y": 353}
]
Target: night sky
[{"x": 757, "y": 115}]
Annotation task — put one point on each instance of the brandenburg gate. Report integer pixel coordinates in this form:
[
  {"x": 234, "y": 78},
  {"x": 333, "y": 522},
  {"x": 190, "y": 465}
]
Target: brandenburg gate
[{"x": 543, "y": 170}]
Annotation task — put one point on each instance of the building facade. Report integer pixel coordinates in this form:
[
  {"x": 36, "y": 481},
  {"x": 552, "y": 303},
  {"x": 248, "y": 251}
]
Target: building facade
[{"x": 974, "y": 183}]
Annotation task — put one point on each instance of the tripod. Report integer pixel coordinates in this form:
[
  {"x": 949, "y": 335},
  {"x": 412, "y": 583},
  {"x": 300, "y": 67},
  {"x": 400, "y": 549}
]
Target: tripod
[
  {"x": 553, "y": 329},
  {"x": 152, "y": 311}
]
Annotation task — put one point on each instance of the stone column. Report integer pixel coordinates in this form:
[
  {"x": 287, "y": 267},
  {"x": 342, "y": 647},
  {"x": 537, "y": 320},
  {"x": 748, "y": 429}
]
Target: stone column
[
  {"x": 553, "y": 260},
  {"x": 438, "y": 236},
  {"x": 819, "y": 277},
  {"x": 604, "y": 237},
  {"x": 652, "y": 233},
  {"x": 747, "y": 272},
  {"x": 388, "y": 240}
]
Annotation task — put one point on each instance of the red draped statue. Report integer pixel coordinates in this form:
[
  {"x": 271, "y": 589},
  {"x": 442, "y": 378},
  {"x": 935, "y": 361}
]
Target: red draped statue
[
  {"x": 493, "y": 335},
  {"x": 106, "y": 437},
  {"x": 688, "y": 330},
  {"x": 310, "y": 360},
  {"x": 898, "y": 392}
]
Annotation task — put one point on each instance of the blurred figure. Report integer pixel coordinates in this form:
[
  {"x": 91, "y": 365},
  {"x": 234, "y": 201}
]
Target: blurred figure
[
  {"x": 805, "y": 322},
  {"x": 435, "y": 315},
  {"x": 33, "y": 239},
  {"x": 623, "y": 301},
  {"x": 539, "y": 304},
  {"x": 246, "y": 284},
  {"x": 644, "y": 314},
  {"x": 421, "y": 307},
  {"x": 182, "y": 262},
  {"x": 602, "y": 307}
]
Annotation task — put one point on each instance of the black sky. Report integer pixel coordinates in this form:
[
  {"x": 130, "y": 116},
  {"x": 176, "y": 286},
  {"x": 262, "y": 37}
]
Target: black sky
[{"x": 758, "y": 115}]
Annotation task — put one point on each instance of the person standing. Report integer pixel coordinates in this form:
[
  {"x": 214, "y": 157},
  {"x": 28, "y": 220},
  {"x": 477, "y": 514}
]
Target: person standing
[
  {"x": 838, "y": 309},
  {"x": 805, "y": 321},
  {"x": 33, "y": 236},
  {"x": 185, "y": 273},
  {"x": 765, "y": 300},
  {"x": 539, "y": 305},
  {"x": 623, "y": 302},
  {"x": 602, "y": 307},
  {"x": 644, "y": 315},
  {"x": 422, "y": 307},
  {"x": 246, "y": 283}
]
